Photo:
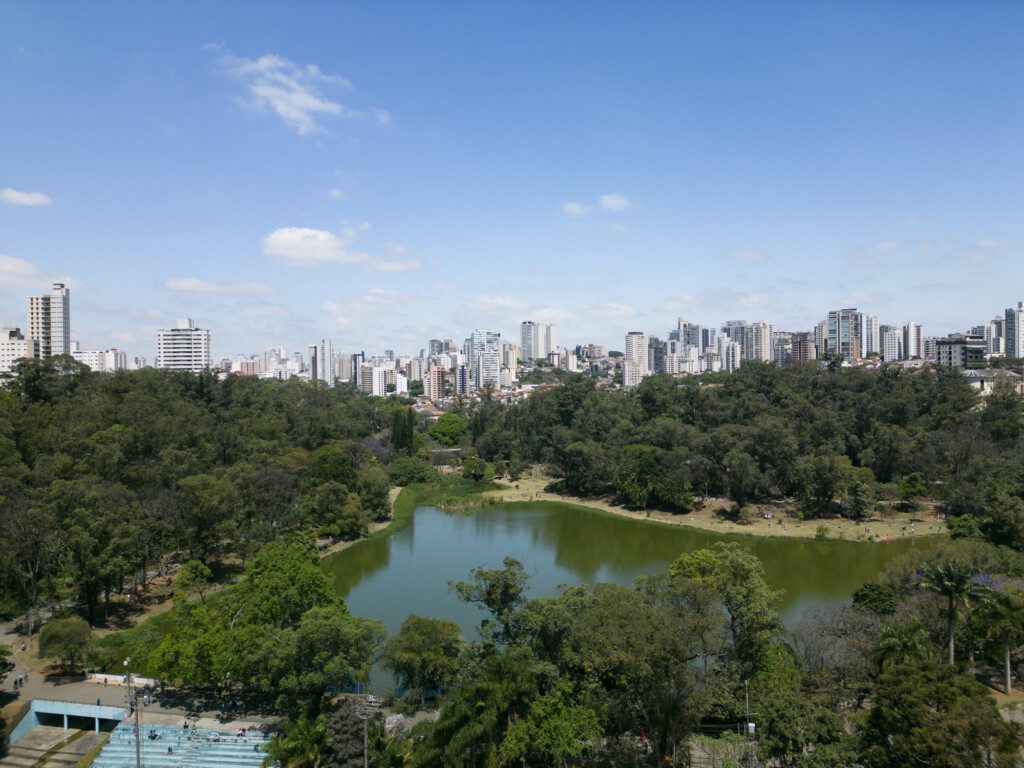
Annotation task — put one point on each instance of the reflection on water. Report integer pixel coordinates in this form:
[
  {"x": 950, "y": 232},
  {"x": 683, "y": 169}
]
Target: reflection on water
[{"x": 408, "y": 572}]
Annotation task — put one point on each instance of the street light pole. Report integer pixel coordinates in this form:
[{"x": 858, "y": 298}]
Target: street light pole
[
  {"x": 133, "y": 705},
  {"x": 364, "y": 711}
]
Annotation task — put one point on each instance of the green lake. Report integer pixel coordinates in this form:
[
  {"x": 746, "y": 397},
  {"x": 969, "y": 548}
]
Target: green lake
[{"x": 408, "y": 571}]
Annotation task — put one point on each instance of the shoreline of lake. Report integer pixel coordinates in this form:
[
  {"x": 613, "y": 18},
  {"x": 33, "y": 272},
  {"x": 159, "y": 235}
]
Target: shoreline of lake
[{"x": 781, "y": 524}]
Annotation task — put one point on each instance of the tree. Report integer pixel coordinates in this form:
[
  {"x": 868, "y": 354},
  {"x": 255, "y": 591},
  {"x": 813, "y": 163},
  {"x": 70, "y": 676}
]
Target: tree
[
  {"x": 737, "y": 580},
  {"x": 880, "y": 599},
  {"x": 500, "y": 591},
  {"x": 207, "y": 508},
  {"x": 911, "y": 487},
  {"x": 449, "y": 429},
  {"x": 408, "y": 469},
  {"x": 474, "y": 468},
  {"x": 926, "y": 713},
  {"x": 635, "y": 478},
  {"x": 424, "y": 654},
  {"x": 68, "y": 639},
  {"x": 345, "y": 735},
  {"x": 823, "y": 478},
  {"x": 1002, "y": 617},
  {"x": 194, "y": 579},
  {"x": 555, "y": 729},
  {"x": 302, "y": 744},
  {"x": 955, "y": 581},
  {"x": 902, "y": 642},
  {"x": 403, "y": 429}
]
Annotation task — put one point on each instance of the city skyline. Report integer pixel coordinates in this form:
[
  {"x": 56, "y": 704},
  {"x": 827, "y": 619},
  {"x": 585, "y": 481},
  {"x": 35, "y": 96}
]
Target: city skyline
[{"x": 398, "y": 178}]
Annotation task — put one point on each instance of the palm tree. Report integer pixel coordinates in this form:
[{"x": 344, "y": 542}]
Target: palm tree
[
  {"x": 1002, "y": 616},
  {"x": 302, "y": 745},
  {"x": 899, "y": 642},
  {"x": 955, "y": 581}
]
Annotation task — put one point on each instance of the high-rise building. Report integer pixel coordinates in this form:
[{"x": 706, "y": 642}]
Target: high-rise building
[
  {"x": 183, "y": 347},
  {"x": 870, "y": 335},
  {"x": 844, "y": 328},
  {"x": 321, "y": 362},
  {"x": 730, "y": 353},
  {"x": 803, "y": 348},
  {"x": 537, "y": 340},
  {"x": 736, "y": 330},
  {"x": 757, "y": 342},
  {"x": 892, "y": 344},
  {"x": 707, "y": 340},
  {"x": 636, "y": 349},
  {"x": 14, "y": 346},
  {"x": 436, "y": 347},
  {"x": 913, "y": 341},
  {"x": 1013, "y": 331},
  {"x": 995, "y": 337},
  {"x": 488, "y": 366},
  {"x": 655, "y": 355},
  {"x": 100, "y": 360},
  {"x": 49, "y": 321},
  {"x": 433, "y": 383},
  {"x": 632, "y": 373},
  {"x": 959, "y": 350}
]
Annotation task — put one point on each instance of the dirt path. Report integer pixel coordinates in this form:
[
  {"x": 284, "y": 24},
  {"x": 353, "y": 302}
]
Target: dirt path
[{"x": 783, "y": 523}]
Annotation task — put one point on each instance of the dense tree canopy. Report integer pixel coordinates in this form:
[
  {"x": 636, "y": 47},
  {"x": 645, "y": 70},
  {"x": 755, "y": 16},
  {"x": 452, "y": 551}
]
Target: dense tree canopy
[{"x": 102, "y": 475}]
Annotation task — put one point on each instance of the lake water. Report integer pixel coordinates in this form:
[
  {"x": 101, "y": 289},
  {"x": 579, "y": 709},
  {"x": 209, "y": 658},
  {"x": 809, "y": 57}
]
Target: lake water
[{"x": 406, "y": 572}]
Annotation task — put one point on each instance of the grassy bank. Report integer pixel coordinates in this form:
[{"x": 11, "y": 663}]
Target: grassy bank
[{"x": 772, "y": 519}]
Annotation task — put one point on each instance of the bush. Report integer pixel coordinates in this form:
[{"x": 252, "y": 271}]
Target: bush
[
  {"x": 821, "y": 532},
  {"x": 408, "y": 470}
]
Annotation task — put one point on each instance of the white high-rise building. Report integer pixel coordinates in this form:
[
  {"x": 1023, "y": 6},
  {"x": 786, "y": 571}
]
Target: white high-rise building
[
  {"x": 870, "y": 335},
  {"x": 892, "y": 345},
  {"x": 14, "y": 346},
  {"x": 49, "y": 321},
  {"x": 100, "y": 360},
  {"x": 321, "y": 362},
  {"x": 636, "y": 350},
  {"x": 913, "y": 341},
  {"x": 183, "y": 347},
  {"x": 538, "y": 340},
  {"x": 488, "y": 368},
  {"x": 994, "y": 339},
  {"x": 632, "y": 373},
  {"x": 730, "y": 352}
]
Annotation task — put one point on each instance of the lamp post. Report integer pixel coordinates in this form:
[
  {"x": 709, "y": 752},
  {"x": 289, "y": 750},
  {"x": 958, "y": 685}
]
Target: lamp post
[
  {"x": 365, "y": 709},
  {"x": 133, "y": 706}
]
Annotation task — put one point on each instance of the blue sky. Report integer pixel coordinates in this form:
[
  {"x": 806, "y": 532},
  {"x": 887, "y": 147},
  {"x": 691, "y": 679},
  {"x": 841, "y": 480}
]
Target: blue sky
[{"x": 384, "y": 173}]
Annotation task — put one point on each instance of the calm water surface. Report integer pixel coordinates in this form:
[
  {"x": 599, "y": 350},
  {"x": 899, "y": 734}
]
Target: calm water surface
[{"x": 408, "y": 572}]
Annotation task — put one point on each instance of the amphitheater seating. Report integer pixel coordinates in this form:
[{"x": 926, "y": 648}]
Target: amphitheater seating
[{"x": 191, "y": 749}]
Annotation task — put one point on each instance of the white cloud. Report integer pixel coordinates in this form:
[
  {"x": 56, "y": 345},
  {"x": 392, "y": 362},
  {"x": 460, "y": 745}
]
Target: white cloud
[
  {"x": 489, "y": 302},
  {"x": 360, "y": 309},
  {"x": 406, "y": 265},
  {"x": 196, "y": 285},
  {"x": 264, "y": 310},
  {"x": 18, "y": 273},
  {"x": 575, "y": 209},
  {"x": 610, "y": 309},
  {"x": 302, "y": 247},
  {"x": 336, "y": 194},
  {"x": 293, "y": 92},
  {"x": 10, "y": 196},
  {"x": 444, "y": 286},
  {"x": 613, "y": 201},
  {"x": 552, "y": 315},
  {"x": 747, "y": 254}
]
